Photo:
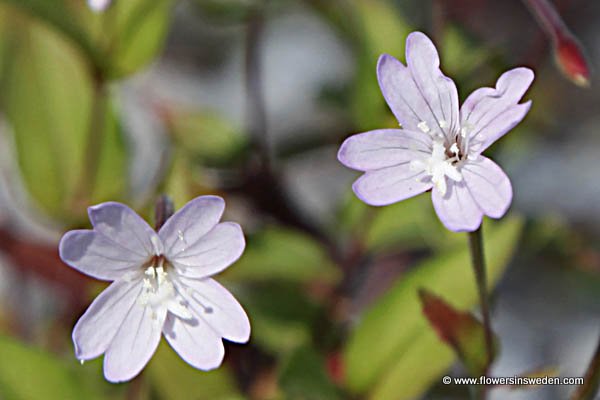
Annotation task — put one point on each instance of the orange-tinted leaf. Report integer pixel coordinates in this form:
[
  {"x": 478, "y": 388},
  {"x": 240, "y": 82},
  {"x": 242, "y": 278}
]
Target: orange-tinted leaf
[{"x": 460, "y": 329}]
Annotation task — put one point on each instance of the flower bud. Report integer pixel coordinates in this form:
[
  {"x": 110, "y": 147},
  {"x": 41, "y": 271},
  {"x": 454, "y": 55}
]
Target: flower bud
[{"x": 571, "y": 60}]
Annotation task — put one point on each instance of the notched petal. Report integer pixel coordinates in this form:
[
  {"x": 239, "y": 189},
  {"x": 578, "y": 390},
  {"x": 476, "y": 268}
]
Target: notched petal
[
  {"x": 390, "y": 185},
  {"x": 190, "y": 223},
  {"x": 125, "y": 227},
  {"x": 97, "y": 327},
  {"x": 489, "y": 186},
  {"x": 213, "y": 304},
  {"x": 489, "y": 113},
  {"x": 134, "y": 344},
  {"x": 211, "y": 253},
  {"x": 97, "y": 256},
  {"x": 383, "y": 148},
  {"x": 457, "y": 209},
  {"x": 196, "y": 343}
]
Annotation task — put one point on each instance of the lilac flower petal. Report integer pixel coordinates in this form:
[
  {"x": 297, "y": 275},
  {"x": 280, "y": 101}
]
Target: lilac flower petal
[
  {"x": 124, "y": 228},
  {"x": 488, "y": 113},
  {"x": 420, "y": 96},
  {"x": 436, "y": 89},
  {"x": 457, "y": 210},
  {"x": 383, "y": 148},
  {"x": 389, "y": 185},
  {"x": 134, "y": 344},
  {"x": 212, "y": 304},
  {"x": 190, "y": 223},
  {"x": 211, "y": 253},
  {"x": 196, "y": 342},
  {"x": 97, "y": 255},
  {"x": 98, "y": 326},
  {"x": 489, "y": 186}
]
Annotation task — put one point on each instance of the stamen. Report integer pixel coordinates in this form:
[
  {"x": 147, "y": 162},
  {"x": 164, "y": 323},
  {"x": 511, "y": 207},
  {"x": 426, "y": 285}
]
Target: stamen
[
  {"x": 82, "y": 361},
  {"x": 466, "y": 129},
  {"x": 179, "y": 309},
  {"x": 466, "y": 142},
  {"x": 443, "y": 124},
  {"x": 207, "y": 309},
  {"x": 423, "y": 127},
  {"x": 454, "y": 149},
  {"x": 440, "y": 165}
]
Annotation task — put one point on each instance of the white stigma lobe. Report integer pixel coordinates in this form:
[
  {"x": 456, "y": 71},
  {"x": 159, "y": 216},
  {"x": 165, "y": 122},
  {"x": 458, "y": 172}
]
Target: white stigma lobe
[
  {"x": 439, "y": 166},
  {"x": 158, "y": 292}
]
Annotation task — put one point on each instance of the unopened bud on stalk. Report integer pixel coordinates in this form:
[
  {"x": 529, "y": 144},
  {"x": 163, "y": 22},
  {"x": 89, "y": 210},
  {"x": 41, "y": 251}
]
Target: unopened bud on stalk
[
  {"x": 570, "y": 59},
  {"x": 568, "y": 53}
]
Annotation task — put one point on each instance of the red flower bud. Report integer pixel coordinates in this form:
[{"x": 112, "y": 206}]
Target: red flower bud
[
  {"x": 569, "y": 57},
  {"x": 567, "y": 51}
]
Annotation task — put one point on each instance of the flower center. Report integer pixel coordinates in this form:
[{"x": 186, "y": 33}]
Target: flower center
[
  {"x": 158, "y": 291},
  {"x": 443, "y": 162}
]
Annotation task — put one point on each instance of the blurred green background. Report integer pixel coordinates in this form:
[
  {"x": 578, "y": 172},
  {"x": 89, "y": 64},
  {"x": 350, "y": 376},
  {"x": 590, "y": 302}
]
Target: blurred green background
[{"x": 250, "y": 99}]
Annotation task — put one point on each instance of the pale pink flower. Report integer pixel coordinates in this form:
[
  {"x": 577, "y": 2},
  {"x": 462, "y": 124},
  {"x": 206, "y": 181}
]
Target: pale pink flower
[
  {"x": 161, "y": 285},
  {"x": 439, "y": 146}
]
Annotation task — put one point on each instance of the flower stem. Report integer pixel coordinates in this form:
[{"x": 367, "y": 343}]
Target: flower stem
[
  {"x": 255, "y": 101},
  {"x": 477, "y": 258},
  {"x": 548, "y": 17}
]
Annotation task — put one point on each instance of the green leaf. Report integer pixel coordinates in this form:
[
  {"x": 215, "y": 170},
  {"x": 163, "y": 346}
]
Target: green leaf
[
  {"x": 382, "y": 30},
  {"x": 461, "y": 331},
  {"x": 110, "y": 180},
  {"x": 59, "y": 15},
  {"x": 179, "y": 182},
  {"x": 174, "y": 379},
  {"x": 27, "y": 373},
  {"x": 393, "y": 338},
  {"x": 282, "y": 316},
  {"x": 410, "y": 224},
  {"x": 48, "y": 101},
  {"x": 459, "y": 55},
  {"x": 206, "y": 136},
  {"x": 138, "y": 34},
  {"x": 117, "y": 42},
  {"x": 283, "y": 254},
  {"x": 304, "y": 377}
]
